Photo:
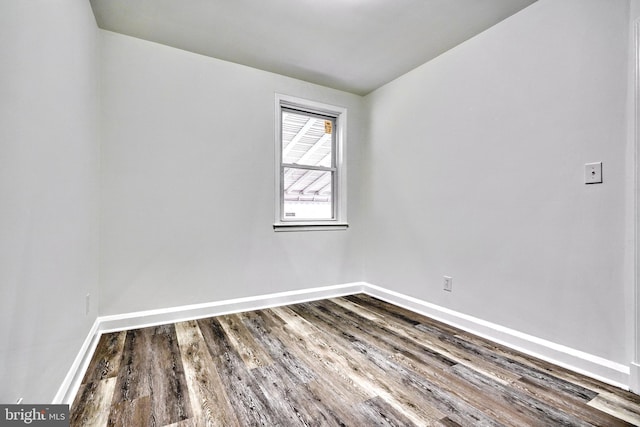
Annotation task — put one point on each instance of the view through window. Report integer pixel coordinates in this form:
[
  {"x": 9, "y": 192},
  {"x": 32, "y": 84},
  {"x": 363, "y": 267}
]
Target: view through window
[{"x": 308, "y": 165}]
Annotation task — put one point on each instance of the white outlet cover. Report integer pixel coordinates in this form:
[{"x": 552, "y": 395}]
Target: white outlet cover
[{"x": 593, "y": 173}]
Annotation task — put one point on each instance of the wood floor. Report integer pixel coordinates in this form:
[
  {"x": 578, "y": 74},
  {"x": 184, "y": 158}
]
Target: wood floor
[{"x": 351, "y": 361}]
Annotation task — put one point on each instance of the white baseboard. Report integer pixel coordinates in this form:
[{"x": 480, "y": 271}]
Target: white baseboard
[
  {"x": 71, "y": 382},
  {"x": 593, "y": 366},
  {"x": 634, "y": 381},
  {"x": 143, "y": 319},
  {"x": 596, "y": 367}
]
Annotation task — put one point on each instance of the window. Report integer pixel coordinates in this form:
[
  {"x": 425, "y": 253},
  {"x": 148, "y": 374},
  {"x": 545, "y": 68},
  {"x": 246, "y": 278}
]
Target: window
[{"x": 311, "y": 172}]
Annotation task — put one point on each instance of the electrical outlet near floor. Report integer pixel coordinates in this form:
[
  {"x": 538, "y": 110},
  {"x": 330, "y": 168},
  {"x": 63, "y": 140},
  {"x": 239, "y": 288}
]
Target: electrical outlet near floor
[{"x": 448, "y": 283}]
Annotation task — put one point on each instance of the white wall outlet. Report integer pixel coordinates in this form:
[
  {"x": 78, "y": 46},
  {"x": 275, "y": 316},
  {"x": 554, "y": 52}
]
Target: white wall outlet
[
  {"x": 593, "y": 173},
  {"x": 87, "y": 304},
  {"x": 448, "y": 283}
]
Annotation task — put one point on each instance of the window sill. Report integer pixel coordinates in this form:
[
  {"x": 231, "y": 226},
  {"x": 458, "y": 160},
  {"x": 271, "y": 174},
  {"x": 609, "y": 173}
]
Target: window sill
[{"x": 310, "y": 226}]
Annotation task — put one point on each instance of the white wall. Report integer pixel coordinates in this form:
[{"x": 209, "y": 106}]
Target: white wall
[
  {"x": 188, "y": 183},
  {"x": 634, "y": 218},
  {"x": 49, "y": 181},
  {"x": 475, "y": 165}
]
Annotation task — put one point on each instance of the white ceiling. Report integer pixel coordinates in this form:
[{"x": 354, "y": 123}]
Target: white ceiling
[{"x": 351, "y": 45}]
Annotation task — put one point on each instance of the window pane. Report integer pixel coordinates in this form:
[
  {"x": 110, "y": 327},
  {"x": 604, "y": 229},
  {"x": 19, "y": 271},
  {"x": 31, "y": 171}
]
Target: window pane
[
  {"x": 306, "y": 139},
  {"x": 307, "y": 194}
]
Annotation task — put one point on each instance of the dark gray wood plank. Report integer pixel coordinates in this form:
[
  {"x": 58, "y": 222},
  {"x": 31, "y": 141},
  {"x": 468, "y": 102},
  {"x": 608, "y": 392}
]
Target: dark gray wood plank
[
  {"x": 135, "y": 412},
  {"x": 151, "y": 366},
  {"x": 209, "y": 400},
  {"x": 105, "y": 361},
  {"x": 371, "y": 368},
  {"x": 538, "y": 412},
  {"x": 92, "y": 403},
  {"x": 324, "y": 398},
  {"x": 567, "y": 403},
  {"x": 249, "y": 401},
  {"x": 246, "y": 346},
  {"x": 429, "y": 384},
  {"x": 333, "y": 387},
  {"x": 625, "y": 406}
]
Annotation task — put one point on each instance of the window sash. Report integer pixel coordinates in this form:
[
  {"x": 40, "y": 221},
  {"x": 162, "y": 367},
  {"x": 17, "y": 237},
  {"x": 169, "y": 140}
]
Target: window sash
[
  {"x": 338, "y": 117},
  {"x": 332, "y": 198},
  {"x": 303, "y": 166}
]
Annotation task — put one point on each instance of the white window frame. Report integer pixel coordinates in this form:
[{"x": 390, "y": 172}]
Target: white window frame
[{"x": 339, "y": 193}]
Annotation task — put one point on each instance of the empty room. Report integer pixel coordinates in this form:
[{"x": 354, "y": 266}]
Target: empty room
[{"x": 337, "y": 212}]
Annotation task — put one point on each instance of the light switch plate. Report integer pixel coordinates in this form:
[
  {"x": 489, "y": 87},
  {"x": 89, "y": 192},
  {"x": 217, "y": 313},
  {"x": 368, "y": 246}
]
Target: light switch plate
[
  {"x": 593, "y": 173},
  {"x": 448, "y": 283}
]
